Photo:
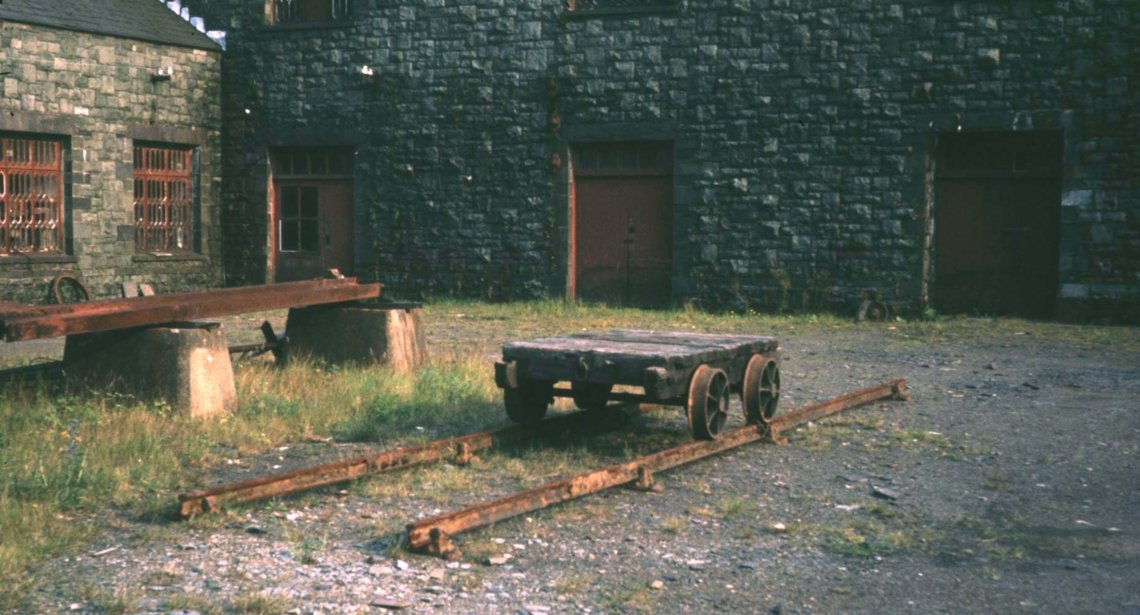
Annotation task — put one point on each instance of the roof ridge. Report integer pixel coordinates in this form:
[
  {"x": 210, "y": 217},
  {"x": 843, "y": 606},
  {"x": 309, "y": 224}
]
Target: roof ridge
[{"x": 129, "y": 19}]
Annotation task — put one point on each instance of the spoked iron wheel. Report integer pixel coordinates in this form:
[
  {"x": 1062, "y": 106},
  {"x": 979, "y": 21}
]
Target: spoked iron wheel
[
  {"x": 527, "y": 404},
  {"x": 760, "y": 393},
  {"x": 590, "y": 396},
  {"x": 708, "y": 402},
  {"x": 68, "y": 288}
]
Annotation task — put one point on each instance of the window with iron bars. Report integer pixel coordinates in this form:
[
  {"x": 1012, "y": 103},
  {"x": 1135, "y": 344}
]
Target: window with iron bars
[
  {"x": 31, "y": 195},
  {"x": 309, "y": 11},
  {"x": 164, "y": 198}
]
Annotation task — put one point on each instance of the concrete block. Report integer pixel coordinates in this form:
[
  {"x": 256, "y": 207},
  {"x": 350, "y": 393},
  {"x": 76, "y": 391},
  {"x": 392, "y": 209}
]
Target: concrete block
[
  {"x": 187, "y": 365},
  {"x": 389, "y": 334}
]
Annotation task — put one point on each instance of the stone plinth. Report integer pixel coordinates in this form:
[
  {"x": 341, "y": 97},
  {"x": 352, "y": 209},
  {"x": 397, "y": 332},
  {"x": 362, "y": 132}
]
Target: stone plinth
[
  {"x": 386, "y": 333},
  {"x": 187, "y": 365}
]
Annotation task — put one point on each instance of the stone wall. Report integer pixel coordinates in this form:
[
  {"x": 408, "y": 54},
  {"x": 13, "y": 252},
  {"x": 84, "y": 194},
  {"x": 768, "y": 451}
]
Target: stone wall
[
  {"x": 804, "y": 134},
  {"x": 97, "y": 93}
]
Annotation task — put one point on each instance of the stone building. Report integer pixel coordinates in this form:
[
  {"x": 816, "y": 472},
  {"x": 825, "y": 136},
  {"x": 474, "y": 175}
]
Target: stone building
[
  {"x": 961, "y": 155},
  {"x": 110, "y": 148}
]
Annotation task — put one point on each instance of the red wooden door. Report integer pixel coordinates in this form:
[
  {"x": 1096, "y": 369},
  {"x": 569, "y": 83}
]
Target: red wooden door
[
  {"x": 997, "y": 223},
  {"x": 336, "y": 227},
  {"x": 314, "y": 229},
  {"x": 623, "y": 223},
  {"x": 312, "y": 212}
]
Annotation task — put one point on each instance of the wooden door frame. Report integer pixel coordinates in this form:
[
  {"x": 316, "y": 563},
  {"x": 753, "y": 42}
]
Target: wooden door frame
[
  {"x": 932, "y": 175},
  {"x": 925, "y": 143},
  {"x": 569, "y": 148},
  {"x": 684, "y": 201},
  {"x": 272, "y": 177}
]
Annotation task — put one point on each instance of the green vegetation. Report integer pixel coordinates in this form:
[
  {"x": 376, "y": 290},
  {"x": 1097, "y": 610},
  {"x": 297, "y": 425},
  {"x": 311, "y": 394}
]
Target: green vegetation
[
  {"x": 734, "y": 506},
  {"x": 64, "y": 456},
  {"x": 866, "y": 539},
  {"x": 258, "y": 604}
]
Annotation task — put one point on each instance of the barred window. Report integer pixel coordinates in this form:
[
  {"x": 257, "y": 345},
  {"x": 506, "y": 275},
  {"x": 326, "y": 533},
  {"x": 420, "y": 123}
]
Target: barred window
[
  {"x": 308, "y": 11},
  {"x": 164, "y": 198},
  {"x": 31, "y": 195}
]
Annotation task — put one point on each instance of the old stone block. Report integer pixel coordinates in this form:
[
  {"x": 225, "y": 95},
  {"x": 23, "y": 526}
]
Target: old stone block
[
  {"x": 989, "y": 58},
  {"x": 186, "y": 365},
  {"x": 389, "y": 334},
  {"x": 1077, "y": 198},
  {"x": 1074, "y": 291}
]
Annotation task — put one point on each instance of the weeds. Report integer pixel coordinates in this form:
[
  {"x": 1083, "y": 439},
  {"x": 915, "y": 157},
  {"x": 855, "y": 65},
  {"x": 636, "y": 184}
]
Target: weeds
[
  {"x": 63, "y": 454},
  {"x": 258, "y": 604},
  {"x": 674, "y": 524},
  {"x": 997, "y": 482},
  {"x": 576, "y": 584},
  {"x": 864, "y": 540},
  {"x": 633, "y": 596},
  {"x": 733, "y": 507},
  {"x": 110, "y": 602},
  {"x": 192, "y": 602}
]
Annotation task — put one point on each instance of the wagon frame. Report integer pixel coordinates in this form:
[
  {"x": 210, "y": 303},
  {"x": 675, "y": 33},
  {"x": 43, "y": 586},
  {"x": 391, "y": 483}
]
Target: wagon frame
[{"x": 699, "y": 371}]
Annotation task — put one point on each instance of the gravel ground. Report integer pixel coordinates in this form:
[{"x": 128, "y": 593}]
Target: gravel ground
[{"x": 1008, "y": 484}]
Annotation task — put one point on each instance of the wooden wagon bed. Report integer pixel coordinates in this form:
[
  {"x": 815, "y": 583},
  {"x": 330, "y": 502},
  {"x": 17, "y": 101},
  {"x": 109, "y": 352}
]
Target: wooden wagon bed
[{"x": 697, "y": 370}]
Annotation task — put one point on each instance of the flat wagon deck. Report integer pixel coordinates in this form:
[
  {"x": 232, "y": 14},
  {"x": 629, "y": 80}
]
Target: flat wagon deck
[{"x": 699, "y": 371}]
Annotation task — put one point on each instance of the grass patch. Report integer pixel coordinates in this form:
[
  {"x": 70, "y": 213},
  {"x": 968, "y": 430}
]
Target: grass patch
[
  {"x": 64, "y": 455},
  {"x": 879, "y": 530},
  {"x": 481, "y": 549},
  {"x": 996, "y": 482},
  {"x": 192, "y": 602},
  {"x": 576, "y": 584},
  {"x": 1013, "y": 537},
  {"x": 111, "y": 602},
  {"x": 632, "y": 596},
  {"x": 733, "y": 507},
  {"x": 674, "y": 524},
  {"x": 258, "y": 604},
  {"x": 864, "y": 540}
]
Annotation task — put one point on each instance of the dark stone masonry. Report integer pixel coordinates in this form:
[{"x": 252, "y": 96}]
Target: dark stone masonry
[{"x": 961, "y": 156}]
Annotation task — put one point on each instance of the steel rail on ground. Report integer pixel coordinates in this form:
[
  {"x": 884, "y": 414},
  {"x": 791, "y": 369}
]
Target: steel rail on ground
[{"x": 433, "y": 535}]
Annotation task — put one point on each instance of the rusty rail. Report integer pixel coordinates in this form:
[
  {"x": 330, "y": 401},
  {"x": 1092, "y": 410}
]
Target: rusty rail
[
  {"x": 33, "y": 322},
  {"x": 210, "y": 500},
  {"x": 895, "y": 389},
  {"x": 458, "y": 448},
  {"x": 433, "y": 535}
]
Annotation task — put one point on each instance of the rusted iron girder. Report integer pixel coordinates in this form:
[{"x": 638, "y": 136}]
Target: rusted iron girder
[
  {"x": 459, "y": 449},
  {"x": 433, "y": 535},
  {"x": 33, "y": 322}
]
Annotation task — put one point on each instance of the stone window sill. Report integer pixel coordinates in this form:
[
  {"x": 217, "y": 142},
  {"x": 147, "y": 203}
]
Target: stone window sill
[
  {"x": 163, "y": 258},
  {"x": 36, "y": 259},
  {"x": 308, "y": 25},
  {"x": 612, "y": 11}
]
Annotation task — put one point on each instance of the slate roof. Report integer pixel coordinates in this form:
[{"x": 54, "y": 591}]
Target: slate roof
[{"x": 146, "y": 20}]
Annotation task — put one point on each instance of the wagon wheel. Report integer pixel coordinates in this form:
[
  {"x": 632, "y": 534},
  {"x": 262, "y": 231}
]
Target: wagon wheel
[
  {"x": 68, "y": 288},
  {"x": 590, "y": 396},
  {"x": 708, "y": 402},
  {"x": 527, "y": 404},
  {"x": 760, "y": 392}
]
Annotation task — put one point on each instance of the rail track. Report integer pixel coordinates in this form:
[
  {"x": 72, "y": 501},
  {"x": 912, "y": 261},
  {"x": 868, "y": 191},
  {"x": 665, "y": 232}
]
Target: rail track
[{"x": 433, "y": 535}]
